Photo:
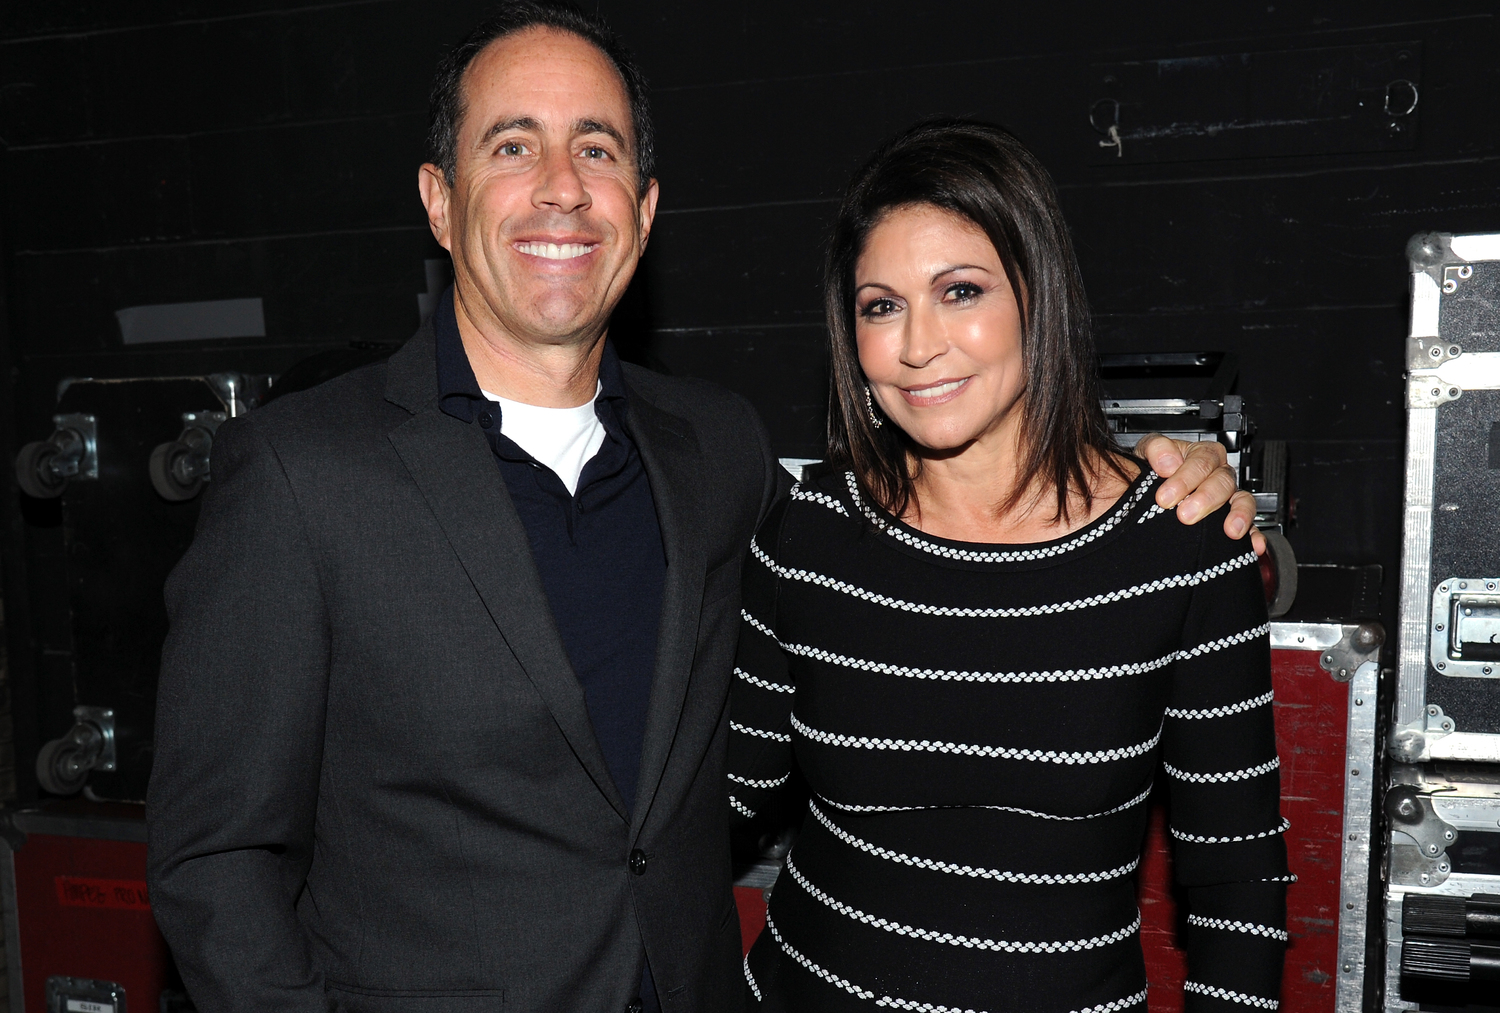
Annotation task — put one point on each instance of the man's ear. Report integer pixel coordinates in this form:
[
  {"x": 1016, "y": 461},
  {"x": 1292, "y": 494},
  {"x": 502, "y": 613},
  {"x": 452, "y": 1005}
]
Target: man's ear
[
  {"x": 433, "y": 186},
  {"x": 648, "y": 212}
]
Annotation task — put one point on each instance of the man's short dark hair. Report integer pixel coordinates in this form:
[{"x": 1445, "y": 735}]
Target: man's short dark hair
[{"x": 446, "y": 101}]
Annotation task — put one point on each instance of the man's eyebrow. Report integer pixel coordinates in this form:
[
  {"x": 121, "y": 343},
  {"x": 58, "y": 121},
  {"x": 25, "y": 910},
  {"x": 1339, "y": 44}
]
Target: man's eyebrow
[
  {"x": 515, "y": 123},
  {"x": 595, "y": 127}
]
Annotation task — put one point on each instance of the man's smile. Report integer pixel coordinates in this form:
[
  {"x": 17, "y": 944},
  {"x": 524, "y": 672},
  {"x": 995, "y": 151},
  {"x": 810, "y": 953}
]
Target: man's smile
[{"x": 556, "y": 251}]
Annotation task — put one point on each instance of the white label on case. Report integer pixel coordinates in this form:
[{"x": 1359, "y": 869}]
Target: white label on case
[{"x": 85, "y": 1006}]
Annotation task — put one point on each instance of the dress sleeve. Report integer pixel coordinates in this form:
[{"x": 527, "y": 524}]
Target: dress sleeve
[
  {"x": 760, "y": 706},
  {"x": 1219, "y": 752}
]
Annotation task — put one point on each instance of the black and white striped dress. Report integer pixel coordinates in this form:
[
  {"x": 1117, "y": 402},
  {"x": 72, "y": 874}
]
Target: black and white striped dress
[{"x": 980, "y": 726}]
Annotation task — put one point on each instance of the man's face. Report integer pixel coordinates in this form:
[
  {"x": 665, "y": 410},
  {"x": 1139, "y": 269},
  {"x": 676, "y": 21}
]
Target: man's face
[{"x": 543, "y": 219}]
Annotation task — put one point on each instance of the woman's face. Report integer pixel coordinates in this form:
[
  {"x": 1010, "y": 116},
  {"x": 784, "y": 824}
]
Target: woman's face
[{"x": 939, "y": 329}]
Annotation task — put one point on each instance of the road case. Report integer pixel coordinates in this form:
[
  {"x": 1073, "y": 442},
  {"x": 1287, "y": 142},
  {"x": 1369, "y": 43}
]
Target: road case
[
  {"x": 1442, "y": 799},
  {"x": 79, "y": 933},
  {"x": 1448, "y": 675},
  {"x": 126, "y": 461}
]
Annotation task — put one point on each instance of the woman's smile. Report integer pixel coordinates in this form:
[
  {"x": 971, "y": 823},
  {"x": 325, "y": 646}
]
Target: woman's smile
[{"x": 939, "y": 392}]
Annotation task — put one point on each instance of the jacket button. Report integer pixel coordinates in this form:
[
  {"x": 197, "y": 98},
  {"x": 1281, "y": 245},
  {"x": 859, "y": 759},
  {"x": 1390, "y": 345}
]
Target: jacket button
[
  {"x": 638, "y": 862},
  {"x": 486, "y": 419},
  {"x": 635, "y": 1006}
]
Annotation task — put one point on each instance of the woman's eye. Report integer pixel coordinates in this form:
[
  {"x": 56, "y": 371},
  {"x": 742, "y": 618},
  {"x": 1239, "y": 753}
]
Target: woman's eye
[
  {"x": 878, "y": 308},
  {"x": 964, "y": 292}
]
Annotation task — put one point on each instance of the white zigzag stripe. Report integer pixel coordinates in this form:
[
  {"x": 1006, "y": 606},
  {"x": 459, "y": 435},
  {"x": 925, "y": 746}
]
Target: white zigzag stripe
[
  {"x": 1216, "y": 778},
  {"x": 1225, "y": 711},
  {"x": 774, "y": 687},
  {"x": 757, "y": 624},
  {"x": 1135, "y": 591},
  {"x": 969, "y": 942},
  {"x": 966, "y": 749},
  {"x": 1061, "y": 675},
  {"x": 751, "y": 979},
  {"x": 1022, "y": 812},
  {"x": 1286, "y": 824},
  {"x": 741, "y": 808},
  {"x": 1068, "y": 675},
  {"x": 1223, "y": 642},
  {"x": 767, "y": 783},
  {"x": 1156, "y": 511},
  {"x": 1268, "y": 931},
  {"x": 890, "y": 1002},
  {"x": 801, "y": 492},
  {"x": 1228, "y": 996},
  {"x": 999, "y": 875},
  {"x": 998, "y": 556},
  {"x": 774, "y": 736}
]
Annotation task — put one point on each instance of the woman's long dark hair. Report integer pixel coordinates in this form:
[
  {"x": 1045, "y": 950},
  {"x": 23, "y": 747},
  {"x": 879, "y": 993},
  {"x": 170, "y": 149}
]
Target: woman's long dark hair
[{"x": 980, "y": 173}]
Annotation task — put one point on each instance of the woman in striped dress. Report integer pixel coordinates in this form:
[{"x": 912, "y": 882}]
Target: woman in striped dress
[{"x": 975, "y": 634}]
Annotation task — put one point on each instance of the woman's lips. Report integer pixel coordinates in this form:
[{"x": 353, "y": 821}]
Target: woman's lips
[{"x": 937, "y": 393}]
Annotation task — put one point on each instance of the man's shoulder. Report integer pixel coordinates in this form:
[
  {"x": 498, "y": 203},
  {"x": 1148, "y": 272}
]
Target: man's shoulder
[{"x": 707, "y": 406}]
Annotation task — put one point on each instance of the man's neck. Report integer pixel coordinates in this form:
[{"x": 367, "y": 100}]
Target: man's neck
[{"x": 549, "y": 375}]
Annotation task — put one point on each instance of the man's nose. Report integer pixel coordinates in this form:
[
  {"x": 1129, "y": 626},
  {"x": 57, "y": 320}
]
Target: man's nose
[{"x": 560, "y": 187}]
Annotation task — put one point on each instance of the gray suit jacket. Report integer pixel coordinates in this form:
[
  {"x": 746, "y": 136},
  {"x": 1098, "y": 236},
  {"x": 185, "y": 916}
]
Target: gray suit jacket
[{"x": 376, "y": 786}]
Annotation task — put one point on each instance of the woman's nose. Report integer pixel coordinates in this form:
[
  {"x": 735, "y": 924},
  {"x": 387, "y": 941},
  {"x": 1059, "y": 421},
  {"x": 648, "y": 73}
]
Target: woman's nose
[{"x": 926, "y": 338}]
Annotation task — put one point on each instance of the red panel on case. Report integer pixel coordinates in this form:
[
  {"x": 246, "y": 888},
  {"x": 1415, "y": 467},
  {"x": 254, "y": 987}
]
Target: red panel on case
[
  {"x": 751, "y": 900},
  {"x": 1312, "y": 712},
  {"x": 112, "y": 943},
  {"x": 126, "y": 894}
]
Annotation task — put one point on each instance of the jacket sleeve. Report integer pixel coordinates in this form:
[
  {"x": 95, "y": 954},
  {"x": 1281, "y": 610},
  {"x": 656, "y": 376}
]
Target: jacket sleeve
[
  {"x": 1219, "y": 752},
  {"x": 760, "y": 706},
  {"x": 239, "y": 737}
]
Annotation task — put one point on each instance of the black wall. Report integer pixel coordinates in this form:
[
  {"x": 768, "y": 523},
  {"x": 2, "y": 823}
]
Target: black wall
[{"x": 171, "y": 150}]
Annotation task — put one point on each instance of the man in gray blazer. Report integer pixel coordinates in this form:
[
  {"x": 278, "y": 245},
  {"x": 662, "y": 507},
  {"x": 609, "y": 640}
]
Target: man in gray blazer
[{"x": 442, "y": 709}]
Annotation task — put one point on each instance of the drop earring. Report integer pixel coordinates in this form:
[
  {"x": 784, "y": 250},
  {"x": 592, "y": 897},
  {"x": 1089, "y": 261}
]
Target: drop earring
[{"x": 870, "y": 407}]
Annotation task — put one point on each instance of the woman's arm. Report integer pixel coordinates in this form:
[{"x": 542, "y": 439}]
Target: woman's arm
[
  {"x": 760, "y": 705},
  {"x": 1219, "y": 751}
]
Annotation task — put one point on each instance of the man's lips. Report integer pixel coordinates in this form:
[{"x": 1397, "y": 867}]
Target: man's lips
[
  {"x": 552, "y": 250},
  {"x": 938, "y": 392}
]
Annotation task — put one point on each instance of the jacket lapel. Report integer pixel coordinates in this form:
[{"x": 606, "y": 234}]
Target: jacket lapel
[
  {"x": 453, "y": 466},
  {"x": 673, "y": 465}
]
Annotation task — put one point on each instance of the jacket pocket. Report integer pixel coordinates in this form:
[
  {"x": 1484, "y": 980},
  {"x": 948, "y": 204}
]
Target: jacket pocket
[{"x": 346, "y": 999}]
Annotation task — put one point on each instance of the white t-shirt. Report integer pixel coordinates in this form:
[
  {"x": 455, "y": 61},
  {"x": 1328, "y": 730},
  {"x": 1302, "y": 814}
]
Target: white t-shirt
[{"x": 563, "y": 439}]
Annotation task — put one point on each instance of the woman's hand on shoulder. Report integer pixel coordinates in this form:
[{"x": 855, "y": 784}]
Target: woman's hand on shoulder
[{"x": 1199, "y": 481}]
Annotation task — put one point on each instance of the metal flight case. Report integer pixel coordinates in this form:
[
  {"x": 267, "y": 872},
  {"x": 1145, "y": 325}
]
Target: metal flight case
[{"x": 1442, "y": 802}]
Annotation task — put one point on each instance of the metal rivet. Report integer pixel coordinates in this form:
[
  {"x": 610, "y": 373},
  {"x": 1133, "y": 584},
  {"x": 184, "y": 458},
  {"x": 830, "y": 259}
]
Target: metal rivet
[
  {"x": 1436, "y": 392},
  {"x": 1349, "y": 907},
  {"x": 1437, "y": 353},
  {"x": 1425, "y": 878},
  {"x": 1358, "y": 702},
  {"x": 1463, "y": 584},
  {"x": 1354, "y": 837},
  {"x": 1447, "y": 725},
  {"x": 1442, "y": 665},
  {"x": 1300, "y": 639},
  {"x": 1443, "y": 588},
  {"x": 1348, "y": 967},
  {"x": 1432, "y": 849},
  {"x": 1439, "y": 627},
  {"x": 1488, "y": 669},
  {"x": 1355, "y": 772},
  {"x": 1447, "y": 835},
  {"x": 1453, "y": 392},
  {"x": 1432, "y": 709},
  {"x": 1443, "y": 867},
  {"x": 1453, "y": 349}
]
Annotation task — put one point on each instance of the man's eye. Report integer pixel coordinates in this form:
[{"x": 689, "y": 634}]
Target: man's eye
[
  {"x": 595, "y": 153},
  {"x": 878, "y": 308},
  {"x": 964, "y": 292},
  {"x": 512, "y": 148}
]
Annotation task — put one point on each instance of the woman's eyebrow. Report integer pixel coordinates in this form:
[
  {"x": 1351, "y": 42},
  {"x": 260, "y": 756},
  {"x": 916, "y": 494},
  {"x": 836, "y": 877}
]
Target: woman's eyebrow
[
  {"x": 960, "y": 267},
  {"x": 874, "y": 284}
]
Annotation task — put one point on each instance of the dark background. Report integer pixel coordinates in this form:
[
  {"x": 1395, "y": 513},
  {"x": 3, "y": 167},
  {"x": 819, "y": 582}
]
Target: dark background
[{"x": 169, "y": 150}]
